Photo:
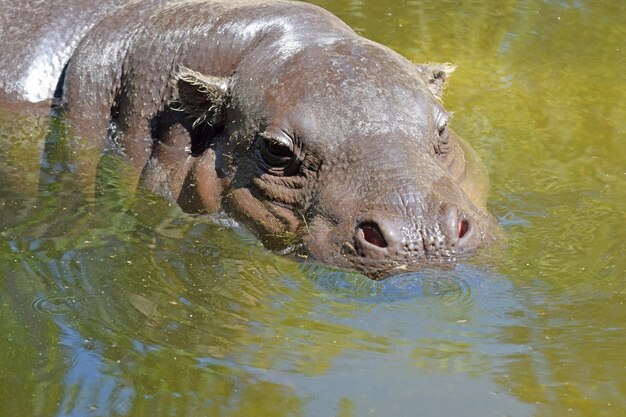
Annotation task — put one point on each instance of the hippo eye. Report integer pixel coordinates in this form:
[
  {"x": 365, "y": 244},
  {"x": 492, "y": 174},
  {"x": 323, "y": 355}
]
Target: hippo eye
[
  {"x": 443, "y": 120},
  {"x": 276, "y": 152},
  {"x": 443, "y": 133}
]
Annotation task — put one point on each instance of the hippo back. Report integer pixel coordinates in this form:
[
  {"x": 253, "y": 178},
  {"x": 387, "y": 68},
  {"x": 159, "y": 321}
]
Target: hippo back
[{"x": 41, "y": 43}]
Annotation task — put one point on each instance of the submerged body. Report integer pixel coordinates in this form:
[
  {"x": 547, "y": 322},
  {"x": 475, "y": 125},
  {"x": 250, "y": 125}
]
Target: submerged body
[{"x": 278, "y": 114}]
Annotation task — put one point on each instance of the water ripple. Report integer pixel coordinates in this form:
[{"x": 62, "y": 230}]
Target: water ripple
[{"x": 53, "y": 306}]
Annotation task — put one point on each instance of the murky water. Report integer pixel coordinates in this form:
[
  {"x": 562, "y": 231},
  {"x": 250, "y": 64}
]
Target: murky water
[{"x": 126, "y": 306}]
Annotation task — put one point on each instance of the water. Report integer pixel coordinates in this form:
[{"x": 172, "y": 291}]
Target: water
[{"x": 126, "y": 306}]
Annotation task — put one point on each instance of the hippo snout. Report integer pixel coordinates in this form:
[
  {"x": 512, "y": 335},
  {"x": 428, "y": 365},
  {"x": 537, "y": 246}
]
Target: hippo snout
[
  {"x": 380, "y": 236},
  {"x": 383, "y": 243}
]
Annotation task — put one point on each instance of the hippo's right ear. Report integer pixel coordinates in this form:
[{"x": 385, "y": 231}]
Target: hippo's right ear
[
  {"x": 436, "y": 76},
  {"x": 201, "y": 96}
]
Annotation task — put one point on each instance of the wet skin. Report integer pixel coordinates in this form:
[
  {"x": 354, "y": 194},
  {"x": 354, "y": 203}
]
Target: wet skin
[{"x": 280, "y": 115}]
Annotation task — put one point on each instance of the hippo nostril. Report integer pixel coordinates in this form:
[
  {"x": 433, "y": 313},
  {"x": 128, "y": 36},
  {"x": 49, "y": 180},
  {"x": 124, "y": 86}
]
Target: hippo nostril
[
  {"x": 373, "y": 235},
  {"x": 463, "y": 228}
]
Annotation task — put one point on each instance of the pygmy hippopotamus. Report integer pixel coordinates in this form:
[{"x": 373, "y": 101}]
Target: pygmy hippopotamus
[{"x": 274, "y": 112}]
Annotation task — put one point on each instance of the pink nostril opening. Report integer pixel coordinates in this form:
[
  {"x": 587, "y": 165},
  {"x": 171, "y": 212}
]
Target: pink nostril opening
[
  {"x": 463, "y": 228},
  {"x": 373, "y": 235}
]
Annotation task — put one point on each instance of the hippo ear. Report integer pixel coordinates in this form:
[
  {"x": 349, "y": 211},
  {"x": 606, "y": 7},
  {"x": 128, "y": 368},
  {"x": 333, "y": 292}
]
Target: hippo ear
[
  {"x": 201, "y": 96},
  {"x": 436, "y": 76}
]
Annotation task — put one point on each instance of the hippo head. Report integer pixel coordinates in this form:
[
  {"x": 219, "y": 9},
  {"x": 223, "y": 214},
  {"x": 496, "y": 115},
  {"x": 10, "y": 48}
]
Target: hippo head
[{"x": 343, "y": 151}]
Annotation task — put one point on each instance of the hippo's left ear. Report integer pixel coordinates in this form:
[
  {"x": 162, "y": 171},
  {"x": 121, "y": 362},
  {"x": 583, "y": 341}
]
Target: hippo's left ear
[
  {"x": 201, "y": 96},
  {"x": 435, "y": 76}
]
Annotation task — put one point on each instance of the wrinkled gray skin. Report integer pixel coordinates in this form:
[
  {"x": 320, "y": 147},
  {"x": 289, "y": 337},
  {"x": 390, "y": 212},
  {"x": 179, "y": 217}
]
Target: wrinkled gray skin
[{"x": 276, "y": 113}]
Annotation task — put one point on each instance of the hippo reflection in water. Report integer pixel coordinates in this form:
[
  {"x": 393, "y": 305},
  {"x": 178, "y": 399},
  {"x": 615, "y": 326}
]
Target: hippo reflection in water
[{"x": 274, "y": 112}]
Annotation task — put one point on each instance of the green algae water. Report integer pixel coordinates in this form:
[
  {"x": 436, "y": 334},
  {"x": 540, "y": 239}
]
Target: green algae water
[{"x": 125, "y": 306}]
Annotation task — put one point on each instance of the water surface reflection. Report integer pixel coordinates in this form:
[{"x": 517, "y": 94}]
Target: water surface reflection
[{"x": 125, "y": 306}]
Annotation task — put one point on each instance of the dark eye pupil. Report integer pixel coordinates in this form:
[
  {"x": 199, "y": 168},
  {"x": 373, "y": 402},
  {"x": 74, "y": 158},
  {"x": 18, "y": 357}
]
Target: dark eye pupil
[
  {"x": 443, "y": 133},
  {"x": 278, "y": 150}
]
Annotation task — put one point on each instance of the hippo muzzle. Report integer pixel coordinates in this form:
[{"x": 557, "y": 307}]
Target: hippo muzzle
[{"x": 406, "y": 230}]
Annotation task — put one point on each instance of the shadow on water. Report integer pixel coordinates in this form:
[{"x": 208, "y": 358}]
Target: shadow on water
[{"x": 123, "y": 305}]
